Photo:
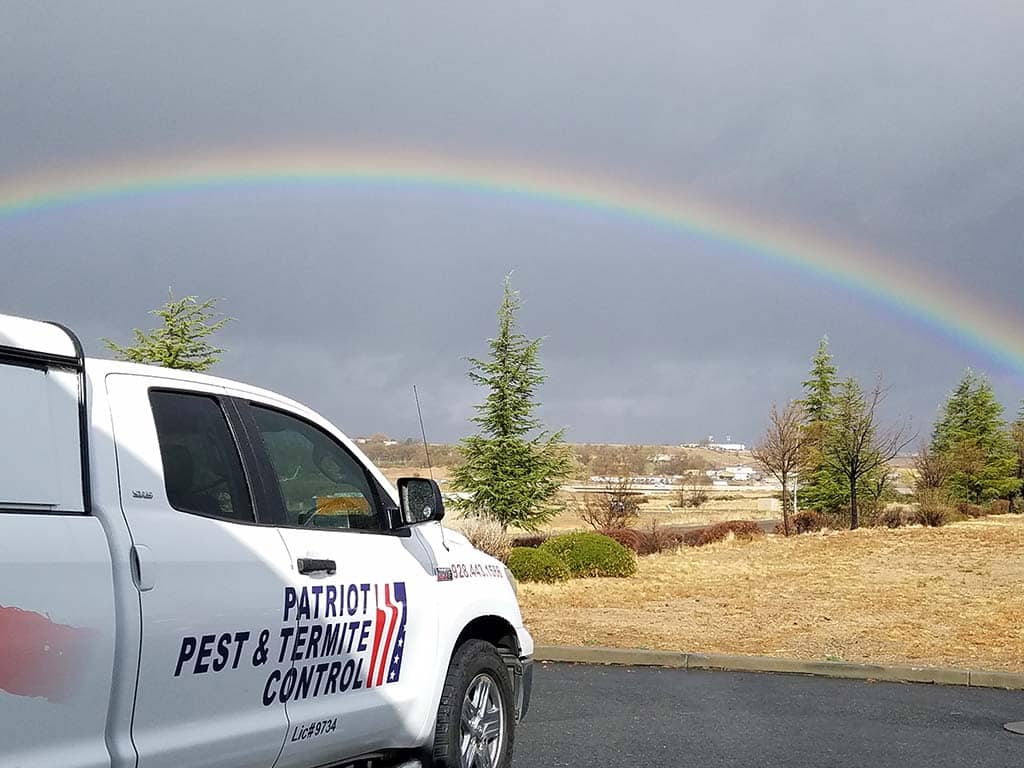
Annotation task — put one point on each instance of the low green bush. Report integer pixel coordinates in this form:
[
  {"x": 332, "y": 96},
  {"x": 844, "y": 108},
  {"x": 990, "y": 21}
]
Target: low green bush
[
  {"x": 591, "y": 554},
  {"x": 536, "y": 564}
]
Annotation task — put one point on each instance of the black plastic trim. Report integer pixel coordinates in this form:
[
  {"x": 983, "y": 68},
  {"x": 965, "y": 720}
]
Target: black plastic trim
[
  {"x": 48, "y": 512},
  {"x": 263, "y": 496},
  {"x": 83, "y": 416},
  {"x": 33, "y": 359}
]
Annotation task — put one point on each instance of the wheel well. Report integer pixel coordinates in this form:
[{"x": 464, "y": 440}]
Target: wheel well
[{"x": 492, "y": 629}]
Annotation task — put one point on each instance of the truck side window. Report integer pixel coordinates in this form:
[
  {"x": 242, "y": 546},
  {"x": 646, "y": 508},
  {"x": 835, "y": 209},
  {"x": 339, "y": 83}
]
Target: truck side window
[
  {"x": 322, "y": 484},
  {"x": 202, "y": 469}
]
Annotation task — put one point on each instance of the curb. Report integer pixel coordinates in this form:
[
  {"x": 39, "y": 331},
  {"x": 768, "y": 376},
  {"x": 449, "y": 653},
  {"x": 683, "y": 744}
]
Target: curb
[{"x": 974, "y": 678}]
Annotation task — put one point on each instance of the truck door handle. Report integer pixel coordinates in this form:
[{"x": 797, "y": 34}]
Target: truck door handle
[{"x": 315, "y": 565}]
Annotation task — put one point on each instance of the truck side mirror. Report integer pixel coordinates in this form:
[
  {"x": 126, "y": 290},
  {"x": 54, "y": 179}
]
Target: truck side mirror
[{"x": 420, "y": 500}]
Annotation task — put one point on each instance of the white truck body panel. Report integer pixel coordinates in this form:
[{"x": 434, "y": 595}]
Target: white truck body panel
[
  {"x": 57, "y": 641},
  {"x": 35, "y": 336},
  {"x": 147, "y": 626}
]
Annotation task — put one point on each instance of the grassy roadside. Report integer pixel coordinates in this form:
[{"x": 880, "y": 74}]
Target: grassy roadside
[{"x": 950, "y": 596}]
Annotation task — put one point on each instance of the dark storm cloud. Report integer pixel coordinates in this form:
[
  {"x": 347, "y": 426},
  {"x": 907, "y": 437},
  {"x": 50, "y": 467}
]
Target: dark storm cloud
[{"x": 896, "y": 126}]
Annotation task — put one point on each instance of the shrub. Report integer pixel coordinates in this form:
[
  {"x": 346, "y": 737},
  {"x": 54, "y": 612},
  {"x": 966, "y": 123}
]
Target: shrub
[
  {"x": 931, "y": 516},
  {"x": 695, "y": 493},
  {"x": 536, "y": 564},
  {"x": 804, "y": 521},
  {"x": 630, "y": 538},
  {"x": 970, "y": 510},
  {"x": 808, "y": 521},
  {"x": 657, "y": 539},
  {"x": 690, "y": 538},
  {"x": 741, "y": 529},
  {"x": 896, "y": 516},
  {"x": 591, "y": 554},
  {"x": 486, "y": 535},
  {"x": 530, "y": 540},
  {"x": 999, "y": 507}
]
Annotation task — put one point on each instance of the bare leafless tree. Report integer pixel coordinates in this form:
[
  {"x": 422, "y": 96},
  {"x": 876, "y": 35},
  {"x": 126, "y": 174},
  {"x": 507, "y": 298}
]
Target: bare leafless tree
[
  {"x": 781, "y": 450},
  {"x": 694, "y": 492},
  {"x": 616, "y": 507},
  {"x": 933, "y": 468},
  {"x": 855, "y": 443}
]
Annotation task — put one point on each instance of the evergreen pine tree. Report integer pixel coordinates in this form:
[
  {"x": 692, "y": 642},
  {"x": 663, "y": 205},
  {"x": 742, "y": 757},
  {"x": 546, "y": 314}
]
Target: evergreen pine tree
[
  {"x": 512, "y": 468},
  {"x": 819, "y": 399},
  {"x": 1017, "y": 438},
  {"x": 972, "y": 434},
  {"x": 182, "y": 341},
  {"x": 821, "y": 488}
]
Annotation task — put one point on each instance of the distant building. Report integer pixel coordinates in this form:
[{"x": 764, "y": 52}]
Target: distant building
[
  {"x": 729, "y": 447},
  {"x": 736, "y": 474}
]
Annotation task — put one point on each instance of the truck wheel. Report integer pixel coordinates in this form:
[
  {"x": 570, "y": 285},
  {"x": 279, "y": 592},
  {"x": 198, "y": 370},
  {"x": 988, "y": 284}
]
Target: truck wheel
[{"x": 475, "y": 718}]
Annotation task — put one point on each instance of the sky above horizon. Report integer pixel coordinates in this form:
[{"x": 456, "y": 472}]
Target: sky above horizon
[{"x": 893, "y": 127}]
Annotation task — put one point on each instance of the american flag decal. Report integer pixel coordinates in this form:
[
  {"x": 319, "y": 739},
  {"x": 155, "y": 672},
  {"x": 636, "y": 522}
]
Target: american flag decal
[{"x": 388, "y": 635}]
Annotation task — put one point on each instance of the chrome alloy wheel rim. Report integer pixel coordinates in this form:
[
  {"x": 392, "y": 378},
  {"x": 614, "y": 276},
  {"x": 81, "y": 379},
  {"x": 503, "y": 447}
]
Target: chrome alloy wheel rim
[{"x": 482, "y": 731}]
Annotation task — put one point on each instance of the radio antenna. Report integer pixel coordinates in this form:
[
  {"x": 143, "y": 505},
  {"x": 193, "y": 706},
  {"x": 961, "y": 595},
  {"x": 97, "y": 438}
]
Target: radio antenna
[
  {"x": 426, "y": 450},
  {"x": 423, "y": 432}
]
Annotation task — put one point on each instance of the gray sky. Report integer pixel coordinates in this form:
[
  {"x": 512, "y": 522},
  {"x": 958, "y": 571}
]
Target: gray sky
[{"x": 896, "y": 126}]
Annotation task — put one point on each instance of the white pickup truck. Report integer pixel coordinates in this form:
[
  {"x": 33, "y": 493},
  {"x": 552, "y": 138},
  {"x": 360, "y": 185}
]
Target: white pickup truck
[{"x": 195, "y": 572}]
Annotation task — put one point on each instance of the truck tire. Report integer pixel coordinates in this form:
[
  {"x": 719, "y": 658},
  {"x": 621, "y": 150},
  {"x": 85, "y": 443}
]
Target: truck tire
[{"x": 475, "y": 720}]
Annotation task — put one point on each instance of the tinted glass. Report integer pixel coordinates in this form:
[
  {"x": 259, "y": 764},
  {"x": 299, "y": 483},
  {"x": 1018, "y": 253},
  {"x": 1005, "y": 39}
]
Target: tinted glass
[
  {"x": 322, "y": 485},
  {"x": 202, "y": 469}
]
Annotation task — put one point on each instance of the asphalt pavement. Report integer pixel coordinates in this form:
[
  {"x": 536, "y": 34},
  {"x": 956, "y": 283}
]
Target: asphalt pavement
[{"x": 630, "y": 716}]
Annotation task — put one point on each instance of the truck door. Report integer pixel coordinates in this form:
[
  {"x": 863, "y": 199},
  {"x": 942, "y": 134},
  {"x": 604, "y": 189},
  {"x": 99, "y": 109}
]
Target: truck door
[
  {"x": 209, "y": 576},
  {"x": 357, "y": 627}
]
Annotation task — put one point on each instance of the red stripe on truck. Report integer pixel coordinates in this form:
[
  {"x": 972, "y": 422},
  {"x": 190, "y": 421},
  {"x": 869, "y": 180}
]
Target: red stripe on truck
[{"x": 39, "y": 657}]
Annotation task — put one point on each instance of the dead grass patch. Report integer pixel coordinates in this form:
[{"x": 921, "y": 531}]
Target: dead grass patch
[
  {"x": 925, "y": 596},
  {"x": 665, "y": 510}
]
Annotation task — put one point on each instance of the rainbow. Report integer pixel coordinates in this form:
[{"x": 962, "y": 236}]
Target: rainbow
[{"x": 950, "y": 312}]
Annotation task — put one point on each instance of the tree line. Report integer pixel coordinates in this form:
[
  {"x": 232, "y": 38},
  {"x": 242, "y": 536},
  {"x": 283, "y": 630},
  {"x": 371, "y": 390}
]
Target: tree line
[
  {"x": 833, "y": 443},
  {"x": 831, "y": 440}
]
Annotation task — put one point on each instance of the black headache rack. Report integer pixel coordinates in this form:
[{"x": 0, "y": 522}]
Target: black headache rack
[{"x": 40, "y": 357}]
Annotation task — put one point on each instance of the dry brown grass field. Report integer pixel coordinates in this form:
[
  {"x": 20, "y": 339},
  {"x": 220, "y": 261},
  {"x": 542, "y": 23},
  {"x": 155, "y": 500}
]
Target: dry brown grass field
[
  {"x": 441, "y": 474},
  {"x": 923, "y": 596},
  {"x": 661, "y": 507},
  {"x": 664, "y": 509}
]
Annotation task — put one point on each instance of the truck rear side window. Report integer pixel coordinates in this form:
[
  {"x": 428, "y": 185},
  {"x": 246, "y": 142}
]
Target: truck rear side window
[
  {"x": 40, "y": 441},
  {"x": 202, "y": 470}
]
